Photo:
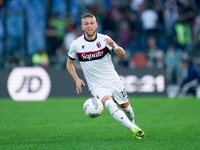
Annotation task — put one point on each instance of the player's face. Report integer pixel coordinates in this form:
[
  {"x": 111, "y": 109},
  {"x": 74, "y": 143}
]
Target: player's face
[{"x": 89, "y": 26}]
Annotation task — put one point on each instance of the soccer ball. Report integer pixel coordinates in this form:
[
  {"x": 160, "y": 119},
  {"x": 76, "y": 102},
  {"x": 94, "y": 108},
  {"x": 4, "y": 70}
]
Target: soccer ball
[{"x": 93, "y": 107}]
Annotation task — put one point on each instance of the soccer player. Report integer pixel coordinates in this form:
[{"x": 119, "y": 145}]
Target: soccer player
[{"x": 94, "y": 53}]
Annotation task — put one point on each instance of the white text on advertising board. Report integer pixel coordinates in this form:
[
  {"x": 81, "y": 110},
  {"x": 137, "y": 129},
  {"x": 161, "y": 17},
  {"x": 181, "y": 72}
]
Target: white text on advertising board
[
  {"x": 145, "y": 84},
  {"x": 29, "y": 84}
]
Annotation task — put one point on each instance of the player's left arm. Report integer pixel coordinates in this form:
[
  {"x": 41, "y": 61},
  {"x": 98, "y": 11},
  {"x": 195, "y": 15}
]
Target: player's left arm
[{"x": 117, "y": 49}]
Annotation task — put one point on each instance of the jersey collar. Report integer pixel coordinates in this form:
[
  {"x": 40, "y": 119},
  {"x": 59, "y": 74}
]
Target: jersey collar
[{"x": 90, "y": 40}]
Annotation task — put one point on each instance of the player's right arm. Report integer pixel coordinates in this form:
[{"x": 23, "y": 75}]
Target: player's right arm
[{"x": 72, "y": 71}]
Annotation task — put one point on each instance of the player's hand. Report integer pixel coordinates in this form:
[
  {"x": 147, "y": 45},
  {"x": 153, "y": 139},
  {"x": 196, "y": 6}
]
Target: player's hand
[
  {"x": 110, "y": 42},
  {"x": 79, "y": 82}
]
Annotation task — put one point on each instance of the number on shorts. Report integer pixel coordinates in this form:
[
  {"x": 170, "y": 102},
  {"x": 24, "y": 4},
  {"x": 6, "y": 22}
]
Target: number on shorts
[{"x": 124, "y": 94}]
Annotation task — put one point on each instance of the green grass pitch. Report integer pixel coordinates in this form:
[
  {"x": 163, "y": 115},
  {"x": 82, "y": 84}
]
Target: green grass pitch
[{"x": 60, "y": 123}]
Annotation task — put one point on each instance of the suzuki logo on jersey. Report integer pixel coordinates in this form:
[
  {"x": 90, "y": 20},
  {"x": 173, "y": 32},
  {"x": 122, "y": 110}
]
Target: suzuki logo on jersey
[
  {"x": 98, "y": 44},
  {"x": 93, "y": 55}
]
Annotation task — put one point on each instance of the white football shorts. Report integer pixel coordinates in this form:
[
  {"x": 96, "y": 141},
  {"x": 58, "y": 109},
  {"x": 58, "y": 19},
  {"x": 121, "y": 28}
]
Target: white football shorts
[{"x": 117, "y": 91}]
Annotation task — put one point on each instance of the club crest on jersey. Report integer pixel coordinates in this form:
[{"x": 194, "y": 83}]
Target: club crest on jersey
[
  {"x": 83, "y": 46},
  {"x": 98, "y": 44}
]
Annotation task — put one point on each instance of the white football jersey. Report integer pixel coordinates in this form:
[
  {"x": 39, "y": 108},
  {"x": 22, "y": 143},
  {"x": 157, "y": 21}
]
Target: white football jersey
[{"x": 95, "y": 59}]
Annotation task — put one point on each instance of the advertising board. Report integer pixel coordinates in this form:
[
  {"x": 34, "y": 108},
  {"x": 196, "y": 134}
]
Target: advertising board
[{"x": 35, "y": 83}]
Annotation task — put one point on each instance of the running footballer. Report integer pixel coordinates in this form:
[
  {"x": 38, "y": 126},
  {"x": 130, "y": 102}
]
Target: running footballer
[{"x": 94, "y": 53}]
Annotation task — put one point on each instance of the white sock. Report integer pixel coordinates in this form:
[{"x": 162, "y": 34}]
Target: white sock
[
  {"x": 129, "y": 113},
  {"x": 118, "y": 114}
]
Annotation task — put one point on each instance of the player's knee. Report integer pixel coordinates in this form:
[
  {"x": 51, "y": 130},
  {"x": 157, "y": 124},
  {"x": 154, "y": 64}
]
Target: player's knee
[
  {"x": 124, "y": 105},
  {"x": 105, "y": 98}
]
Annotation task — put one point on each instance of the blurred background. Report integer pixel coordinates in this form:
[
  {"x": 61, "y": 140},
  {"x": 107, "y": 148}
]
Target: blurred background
[{"x": 155, "y": 33}]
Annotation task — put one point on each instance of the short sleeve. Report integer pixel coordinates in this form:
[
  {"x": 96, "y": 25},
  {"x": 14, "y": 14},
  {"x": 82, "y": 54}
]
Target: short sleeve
[{"x": 72, "y": 52}]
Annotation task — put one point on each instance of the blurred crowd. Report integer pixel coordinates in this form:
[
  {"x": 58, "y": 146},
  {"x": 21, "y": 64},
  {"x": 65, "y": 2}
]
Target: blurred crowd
[{"x": 154, "y": 33}]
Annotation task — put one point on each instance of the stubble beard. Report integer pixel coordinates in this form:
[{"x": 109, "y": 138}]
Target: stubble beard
[{"x": 90, "y": 35}]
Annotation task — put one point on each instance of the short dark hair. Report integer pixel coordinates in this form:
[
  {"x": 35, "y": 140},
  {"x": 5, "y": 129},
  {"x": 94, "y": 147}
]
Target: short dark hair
[{"x": 88, "y": 15}]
